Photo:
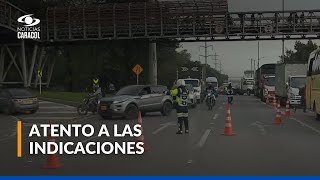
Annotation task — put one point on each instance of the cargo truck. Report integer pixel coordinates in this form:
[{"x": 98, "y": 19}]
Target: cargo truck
[
  {"x": 290, "y": 78},
  {"x": 265, "y": 81}
]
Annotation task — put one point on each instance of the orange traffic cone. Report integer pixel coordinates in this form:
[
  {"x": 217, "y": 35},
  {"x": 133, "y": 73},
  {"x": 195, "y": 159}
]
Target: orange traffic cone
[
  {"x": 52, "y": 159},
  {"x": 278, "y": 120},
  {"x": 141, "y": 138},
  {"x": 228, "y": 127},
  {"x": 274, "y": 105},
  {"x": 267, "y": 100},
  {"x": 287, "y": 109}
]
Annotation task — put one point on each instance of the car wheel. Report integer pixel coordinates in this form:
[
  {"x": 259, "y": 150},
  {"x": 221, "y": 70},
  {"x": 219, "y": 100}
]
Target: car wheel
[
  {"x": 166, "y": 108},
  {"x": 131, "y": 111},
  {"x": 82, "y": 109}
]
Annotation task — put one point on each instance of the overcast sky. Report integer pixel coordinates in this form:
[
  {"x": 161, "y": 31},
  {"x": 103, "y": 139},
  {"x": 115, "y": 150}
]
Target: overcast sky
[{"x": 235, "y": 55}]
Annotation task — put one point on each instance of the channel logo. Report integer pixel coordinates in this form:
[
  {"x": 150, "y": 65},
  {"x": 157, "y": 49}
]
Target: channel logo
[
  {"x": 29, "y": 30},
  {"x": 28, "y": 20}
]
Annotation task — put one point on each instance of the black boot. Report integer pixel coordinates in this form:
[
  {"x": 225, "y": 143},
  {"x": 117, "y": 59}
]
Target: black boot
[{"x": 179, "y": 132}]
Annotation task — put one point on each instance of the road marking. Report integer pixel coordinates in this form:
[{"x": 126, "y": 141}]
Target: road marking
[
  {"x": 260, "y": 126},
  {"x": 220, "y": 107},
  {"x": 215, "y": 116},
  {"x": 48, "y": 118},
  {"x": 163, "y": 127},
  {"x": 212, "y": 123},
  {"x": 204, "y": 138},
  {"x": 189, "y": 162},
  {"x": 58, "y": 112},
  {"x": 306, "y": 125},
  {"x": 56, "y": 107}
]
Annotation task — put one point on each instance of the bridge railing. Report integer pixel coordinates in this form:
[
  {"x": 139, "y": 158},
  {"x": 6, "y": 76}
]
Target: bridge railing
[{"x": 9, "y": 14}]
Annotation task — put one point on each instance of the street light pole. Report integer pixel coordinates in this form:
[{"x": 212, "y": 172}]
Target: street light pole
[
  {"x": 283, "y": 35},
  {"x": 258, "y": 53}
]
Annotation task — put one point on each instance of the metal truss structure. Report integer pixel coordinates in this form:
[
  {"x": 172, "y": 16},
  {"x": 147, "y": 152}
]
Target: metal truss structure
[{"x": 187, "y": 20}]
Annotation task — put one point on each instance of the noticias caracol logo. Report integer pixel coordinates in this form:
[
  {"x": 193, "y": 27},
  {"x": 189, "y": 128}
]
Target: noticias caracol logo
[{"x": 29, "y": 30}]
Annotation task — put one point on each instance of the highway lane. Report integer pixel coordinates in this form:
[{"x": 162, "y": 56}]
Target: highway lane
[{"x": 258, "y": 148}]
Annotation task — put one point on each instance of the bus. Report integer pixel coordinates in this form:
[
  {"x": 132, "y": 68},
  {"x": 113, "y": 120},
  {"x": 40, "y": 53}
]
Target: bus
[{"x": 313, "y": 83}]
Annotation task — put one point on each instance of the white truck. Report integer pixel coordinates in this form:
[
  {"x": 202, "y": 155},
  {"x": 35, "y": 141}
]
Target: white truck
[
  {"x": 196, "y": 84},
  {"x": 247, "y": 85},
  {"x": 289, "y": 79},
  {"x": 213, "y": 81}
]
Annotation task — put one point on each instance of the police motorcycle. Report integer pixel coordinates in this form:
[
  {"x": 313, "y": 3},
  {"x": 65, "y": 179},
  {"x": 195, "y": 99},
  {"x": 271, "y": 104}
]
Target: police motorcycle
[
  {"x": 90, "y": 103},
  {"x": 210, "y": 99},
  {"x": 230, "y": 95}
]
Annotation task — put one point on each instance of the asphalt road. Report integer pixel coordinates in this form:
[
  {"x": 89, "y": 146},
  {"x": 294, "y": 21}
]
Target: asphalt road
[{"x": 259, "y": 147}]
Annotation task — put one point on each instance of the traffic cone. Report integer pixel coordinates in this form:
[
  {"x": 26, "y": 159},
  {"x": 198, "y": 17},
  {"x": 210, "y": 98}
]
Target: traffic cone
[
  {"x": 278, "y": 120},
  {"x": 141, "y": 138},
  {"x": 228, "y": 127},
  {"x": 267, "y": 100},
  {"x": 274, "y": 105},
  {"x": 287, "y": 113},
  {"x": 52, "y": 159}
]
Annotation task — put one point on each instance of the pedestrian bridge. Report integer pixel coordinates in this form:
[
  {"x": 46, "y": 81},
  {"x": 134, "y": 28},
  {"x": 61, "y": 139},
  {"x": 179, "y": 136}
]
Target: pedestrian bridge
[{"x": 188, "y": 20}]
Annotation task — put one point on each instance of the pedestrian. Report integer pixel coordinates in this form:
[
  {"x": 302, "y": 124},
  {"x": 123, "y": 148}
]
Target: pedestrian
[{"x": 182, "y": 98}]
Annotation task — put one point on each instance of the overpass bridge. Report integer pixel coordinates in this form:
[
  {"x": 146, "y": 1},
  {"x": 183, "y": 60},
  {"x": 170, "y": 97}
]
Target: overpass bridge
[{"x": 183, "y": 21}]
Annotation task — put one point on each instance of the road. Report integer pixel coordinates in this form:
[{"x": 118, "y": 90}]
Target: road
[{"x": 259, "y": 147}]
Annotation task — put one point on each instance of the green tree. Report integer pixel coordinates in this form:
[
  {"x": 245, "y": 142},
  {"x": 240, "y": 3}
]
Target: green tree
[{"x": 301, "y": 52}]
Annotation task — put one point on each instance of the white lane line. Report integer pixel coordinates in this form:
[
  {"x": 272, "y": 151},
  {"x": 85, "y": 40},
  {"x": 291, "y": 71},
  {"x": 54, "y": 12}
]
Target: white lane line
[
  {"x": 215, "y": 116},
  {"x": 56, "y": 107},
  {"x": 220, "y": 107},
  {"x": 306, "y": 125},
  {"x": 58, "y": 112},
  {"x": 47, "y": 118},
  {"x": 163, "y": 127},
  {"x": 204, "y": 138}
]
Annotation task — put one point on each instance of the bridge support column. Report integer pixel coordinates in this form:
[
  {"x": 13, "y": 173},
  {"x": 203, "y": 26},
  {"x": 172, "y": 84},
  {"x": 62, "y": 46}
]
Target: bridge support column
[
  {"x": 153, "y": 74},
  {"x": 24, "y": 64},
  {"x": 1, "y": 64}
]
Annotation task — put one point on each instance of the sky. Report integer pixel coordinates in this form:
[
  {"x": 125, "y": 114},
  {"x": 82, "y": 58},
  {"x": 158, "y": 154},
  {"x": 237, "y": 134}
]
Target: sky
[{"x": 235, "y": 55}]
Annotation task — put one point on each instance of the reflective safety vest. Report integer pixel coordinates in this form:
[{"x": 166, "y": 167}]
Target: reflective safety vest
[
  {"x": 182, "y": 96},
  {"x": 95, "y": 81}
]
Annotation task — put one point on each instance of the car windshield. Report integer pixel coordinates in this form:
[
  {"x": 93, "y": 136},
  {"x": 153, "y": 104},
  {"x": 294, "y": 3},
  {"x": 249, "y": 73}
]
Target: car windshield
[
  {"x": 270, "y": 81},
  {"x": 248, "y": 83},
  {"x": 129, "y": 90},
  {"x": 189, "y": 87},
  {"x": 193, "y": 83},
  {"x": 298, "y": 82},
  {"x": 19, "y": 92}
]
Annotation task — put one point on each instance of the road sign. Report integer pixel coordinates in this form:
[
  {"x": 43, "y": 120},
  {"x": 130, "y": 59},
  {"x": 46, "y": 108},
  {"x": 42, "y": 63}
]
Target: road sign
[
  {"x": 268, "y": 28},
  {"x": 194, "y": 69},
  {"x": 184, "y": 69},
  {"x": 137, "y": 69},
  {"x": 219, "y": 29},
  {"x": 39, "y": 73}
]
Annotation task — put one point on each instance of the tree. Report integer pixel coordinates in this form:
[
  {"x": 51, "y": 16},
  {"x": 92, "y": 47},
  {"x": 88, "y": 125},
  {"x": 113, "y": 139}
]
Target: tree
[{"x": 301, "y": 52}]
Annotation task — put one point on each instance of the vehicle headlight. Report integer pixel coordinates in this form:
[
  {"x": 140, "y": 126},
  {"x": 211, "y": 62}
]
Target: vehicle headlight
[{"x": 119, "y": 101}]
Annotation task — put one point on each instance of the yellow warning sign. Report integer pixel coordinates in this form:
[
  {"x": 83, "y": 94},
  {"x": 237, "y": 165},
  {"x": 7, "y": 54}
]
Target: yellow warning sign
[
  {"x": 39, "y": 73},
  {"x": 137, "y": 69}
]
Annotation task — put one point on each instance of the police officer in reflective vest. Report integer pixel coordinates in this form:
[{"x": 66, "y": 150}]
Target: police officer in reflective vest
[
  {"x": 95, "y": 84},
  {"x": 182, "y": 98}
]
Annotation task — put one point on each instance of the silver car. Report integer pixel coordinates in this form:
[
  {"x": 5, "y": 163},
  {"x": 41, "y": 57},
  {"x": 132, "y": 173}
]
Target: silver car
[{"x": 131, "y": 99}]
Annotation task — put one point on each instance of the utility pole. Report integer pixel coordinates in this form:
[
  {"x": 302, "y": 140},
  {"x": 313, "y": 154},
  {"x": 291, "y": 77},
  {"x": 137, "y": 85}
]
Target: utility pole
[
  {"x": 258, "y": 53},
  {"x": 220, "y": 67},
  {"x": 215, "y": 61},
  {"x": 204, "y": 69},
  {"x": 283, "y": 35},
  {"x": 251, "y": 63}
]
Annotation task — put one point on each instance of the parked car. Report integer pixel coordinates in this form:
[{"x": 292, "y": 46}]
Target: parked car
[
  {"x": 14, "y": 100},
  {"x": 131, "y": 99}
]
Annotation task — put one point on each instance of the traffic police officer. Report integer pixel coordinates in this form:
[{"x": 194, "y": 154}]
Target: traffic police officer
[
  {"x": 95, "y": 84},
  {"x": 182, "y": 97}
]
